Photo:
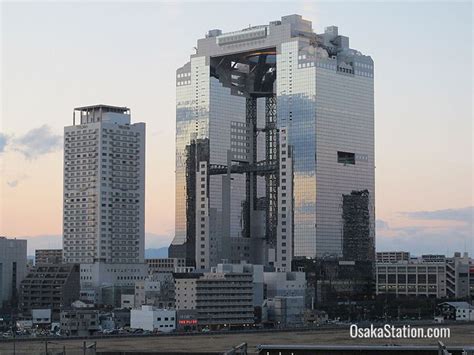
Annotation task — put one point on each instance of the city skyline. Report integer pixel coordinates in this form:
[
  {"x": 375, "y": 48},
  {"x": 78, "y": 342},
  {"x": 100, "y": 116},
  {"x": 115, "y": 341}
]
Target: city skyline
[{"x": 32, "y": 155}]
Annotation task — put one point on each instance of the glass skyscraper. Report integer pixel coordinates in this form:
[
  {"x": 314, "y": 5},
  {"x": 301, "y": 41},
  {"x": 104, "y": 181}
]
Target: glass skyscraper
[{"x": 274, "y": 147}]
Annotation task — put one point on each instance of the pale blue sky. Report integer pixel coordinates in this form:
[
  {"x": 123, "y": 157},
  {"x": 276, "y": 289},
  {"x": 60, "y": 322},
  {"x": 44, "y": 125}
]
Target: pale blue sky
[{"x": 56, "y": 56}]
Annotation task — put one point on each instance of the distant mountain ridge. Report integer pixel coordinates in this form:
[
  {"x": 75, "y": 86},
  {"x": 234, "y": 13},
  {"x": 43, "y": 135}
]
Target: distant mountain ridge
[{"x": 151, "y": 253}]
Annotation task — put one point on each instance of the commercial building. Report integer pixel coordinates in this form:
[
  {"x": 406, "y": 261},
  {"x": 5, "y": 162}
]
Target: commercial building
[
  {"x": 49, "y": 286},
  {"x": 167, "y": 265},
  {"x": 156, "y": 290},
  {"x": 429, "y": 275},
  {"x": 220, "y": 299},
  {"x": 80, "y": 322},
  {"x": 104, "y": 283},
  {"x": 331, "y": 279},
  {"x": 48, "y": 256},
  {"x": 127, "y": 301},
  {"x": 41, "y": 317},
  {"x": 151, "y": 318},
  {"x": 104, "y": 198},
  {"x": 118, "y": 318},
  {"x": 12, "y": 269},
  {"x": 392, "y": 256},
  {"x": 257, "y": 278},
  {"x": 284, "y": 284},
  {"x": 457, "y": 276},
  {"x": 187, "y": 320},
  {"x": 274, "y": 147},
  {"x": 412, "y": 279},
  {"x": 284, "y": 311}
]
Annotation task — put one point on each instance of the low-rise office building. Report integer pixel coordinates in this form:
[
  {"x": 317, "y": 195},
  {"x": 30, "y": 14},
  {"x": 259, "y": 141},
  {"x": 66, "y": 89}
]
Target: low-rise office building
[
  {"x": 220, "y": 299},
  {"x": 284, "y": 284},
  {"x": 412, "y": 279},
  {"x": 284, "y": 311},
  {"x": 157, "y": 290},
  {"x": 167, "y": 265},
  {"x": 127, "y": 301},
  {"x": 41, "y": 317},
  {"x": 433, "y": 276},
  {"x": 106, "y": 283},
  {"x": 153, "y": 319},
  {"x": 80, "y": 322},
  {"x": 392, "y": 256}
]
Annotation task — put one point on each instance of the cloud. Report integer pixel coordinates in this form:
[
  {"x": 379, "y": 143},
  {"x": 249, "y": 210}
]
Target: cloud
[
  {"x": 453, "y": 214},
  {"x": 14, "y": 182},
  {"x": 432, "y": 238},
  {"x": 3, "y": 142},
  {"x": 37, "y": 142}
]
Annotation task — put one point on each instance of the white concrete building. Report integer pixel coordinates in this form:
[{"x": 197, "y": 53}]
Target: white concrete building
[
  {"x": 465, "y": 313},
  {"x": 104, "y": 187},
  {"x": 151, "y": 318},
  {"x": 12, "y": 267},
  {"x": 429, "y": 275},
  {"x": 41, "y": 316},
  {"x": 104, "y": 196}
]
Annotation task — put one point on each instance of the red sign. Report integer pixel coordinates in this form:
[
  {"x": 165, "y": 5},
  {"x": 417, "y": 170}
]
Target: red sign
[{"x": 187, "y": 321}]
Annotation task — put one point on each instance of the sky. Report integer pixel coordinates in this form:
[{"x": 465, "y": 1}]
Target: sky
[{"x": 59, "y": 55}]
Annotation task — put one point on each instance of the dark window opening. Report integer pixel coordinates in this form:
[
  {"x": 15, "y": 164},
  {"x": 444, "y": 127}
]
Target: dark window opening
[{"x": 345, "y": 158}]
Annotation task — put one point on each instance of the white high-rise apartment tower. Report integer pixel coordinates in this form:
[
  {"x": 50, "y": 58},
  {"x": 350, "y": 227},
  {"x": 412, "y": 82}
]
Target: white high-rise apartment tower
[{"x": 104, "y": 187}]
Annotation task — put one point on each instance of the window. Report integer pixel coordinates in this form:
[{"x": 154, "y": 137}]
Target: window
[{"x": 346, "y": 158}]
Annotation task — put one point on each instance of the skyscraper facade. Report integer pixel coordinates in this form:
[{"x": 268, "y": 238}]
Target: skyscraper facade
[
  {"x": 13, "y": 262},
  {"x": 104, "y": 187},
  {"x": 274, "y": 147}
]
